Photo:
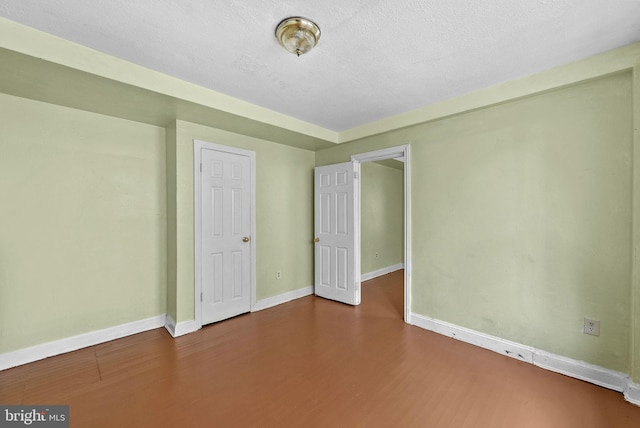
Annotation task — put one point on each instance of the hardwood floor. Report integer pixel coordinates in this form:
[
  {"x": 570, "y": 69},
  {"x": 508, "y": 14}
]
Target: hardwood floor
[{"x": 311, "y": 363}]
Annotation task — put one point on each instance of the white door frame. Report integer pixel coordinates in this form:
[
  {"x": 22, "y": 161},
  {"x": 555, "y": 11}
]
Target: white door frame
[
  {"x": 197, "y": 222},
  {"x": 391, "y": 153}
]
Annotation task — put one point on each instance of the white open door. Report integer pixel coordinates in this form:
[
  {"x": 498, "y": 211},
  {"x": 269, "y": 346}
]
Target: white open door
[{"x": 337, "y": 264}]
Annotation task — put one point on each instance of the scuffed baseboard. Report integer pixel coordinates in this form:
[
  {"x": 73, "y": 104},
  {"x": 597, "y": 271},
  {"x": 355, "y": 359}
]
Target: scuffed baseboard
[
  {"x": 601, "y": 376},
  {"x": 580, "y": 370},
  {"x": 495, "y": 344}
]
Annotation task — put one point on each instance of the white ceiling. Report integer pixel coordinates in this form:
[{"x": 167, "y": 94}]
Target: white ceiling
[{"x": 375, "y": 58}]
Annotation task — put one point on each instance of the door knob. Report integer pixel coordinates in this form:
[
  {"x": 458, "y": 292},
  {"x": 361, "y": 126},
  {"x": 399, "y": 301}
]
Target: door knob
[
  {"x": 245, "y": 239},
  {"x": 316, "y": 240}
]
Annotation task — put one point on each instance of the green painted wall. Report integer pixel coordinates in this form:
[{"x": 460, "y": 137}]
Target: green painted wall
[
  {"x": 284, "y": 213},
  {"x": 82, "y": 234},
  {"x": 521, "y": 217},
  {"x": 635, "y": 284},
  {"x": 170, "y": 162},
  {"x": 382, "y": 216}
]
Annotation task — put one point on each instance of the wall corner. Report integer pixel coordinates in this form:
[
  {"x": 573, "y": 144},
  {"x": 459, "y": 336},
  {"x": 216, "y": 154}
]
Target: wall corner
[{"x": 634, "y": 322}]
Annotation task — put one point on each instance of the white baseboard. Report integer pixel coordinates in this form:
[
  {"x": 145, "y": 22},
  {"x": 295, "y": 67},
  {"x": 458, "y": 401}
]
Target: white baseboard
[
  {"x": 282, "y": 298},
  {"x": 49, "y": 349},
  {"x": 632, "y": 393},
  {"x": 496, "y": 344},
  {"x": 181, "y": 328},
  {"x": 607, "y": 378},
  {"x": 601, "y": 376},
  {"x": 376, "y": 273},
  {"x": 186, "y": 327}
]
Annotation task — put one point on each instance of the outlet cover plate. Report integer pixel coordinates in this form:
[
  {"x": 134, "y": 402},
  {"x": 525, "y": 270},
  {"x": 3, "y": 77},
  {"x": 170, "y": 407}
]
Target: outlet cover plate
[{"x": 591, "y": 327}]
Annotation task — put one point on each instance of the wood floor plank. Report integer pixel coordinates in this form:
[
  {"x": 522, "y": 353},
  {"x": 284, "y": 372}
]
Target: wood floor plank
[{"x": 312, "y": 363}]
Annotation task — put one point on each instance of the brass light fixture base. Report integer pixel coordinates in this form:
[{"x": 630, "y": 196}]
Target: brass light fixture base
[{"x": 298, "y": 35}]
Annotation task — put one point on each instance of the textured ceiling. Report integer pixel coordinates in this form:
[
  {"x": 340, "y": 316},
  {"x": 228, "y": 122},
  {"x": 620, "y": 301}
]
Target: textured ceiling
[{"x": 375, "y": 59}]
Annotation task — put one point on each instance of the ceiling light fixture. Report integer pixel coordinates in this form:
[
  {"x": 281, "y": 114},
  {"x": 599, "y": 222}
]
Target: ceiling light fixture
[{"x": 298, "y": 35}]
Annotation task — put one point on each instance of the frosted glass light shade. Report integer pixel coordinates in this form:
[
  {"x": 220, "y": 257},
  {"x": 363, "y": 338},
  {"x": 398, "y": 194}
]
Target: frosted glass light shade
[{"x": 298, "y": 35}]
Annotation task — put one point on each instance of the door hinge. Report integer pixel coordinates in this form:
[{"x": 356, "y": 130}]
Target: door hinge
[
  {"x": 200, "y": 167},
  {"x": 200, "y": 297}
]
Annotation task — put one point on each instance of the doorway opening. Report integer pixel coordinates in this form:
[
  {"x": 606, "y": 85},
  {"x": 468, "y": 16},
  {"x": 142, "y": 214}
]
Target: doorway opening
[{"x": 399, "y": 153}]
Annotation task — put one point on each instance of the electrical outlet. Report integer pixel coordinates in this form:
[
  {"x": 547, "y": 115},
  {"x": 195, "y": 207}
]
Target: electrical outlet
[
  {"x": 592, "y": 327},
  {"x": 376, "y": 254},
  {"x": 278, "y": 275}
]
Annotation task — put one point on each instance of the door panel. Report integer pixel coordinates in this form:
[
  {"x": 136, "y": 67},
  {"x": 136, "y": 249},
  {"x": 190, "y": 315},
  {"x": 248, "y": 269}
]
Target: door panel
[
  {"x": 337, "y": 272},
  {"x": 226, "y": 259}
]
